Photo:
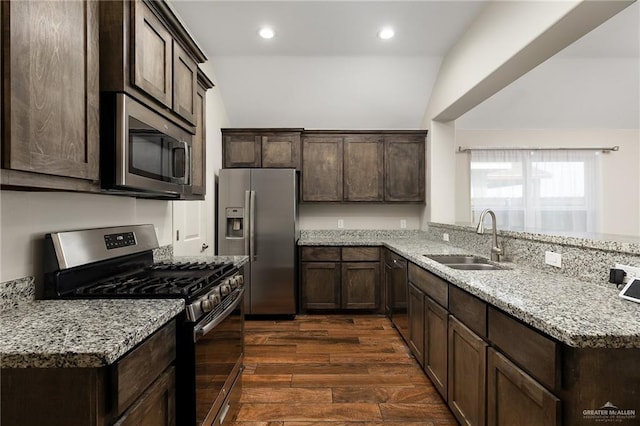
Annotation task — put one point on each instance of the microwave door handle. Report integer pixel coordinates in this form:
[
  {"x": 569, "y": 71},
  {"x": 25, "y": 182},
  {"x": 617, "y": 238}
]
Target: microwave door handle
[
  {"x": 185, "y": 179},
  {"x": 187, "y": 163}
]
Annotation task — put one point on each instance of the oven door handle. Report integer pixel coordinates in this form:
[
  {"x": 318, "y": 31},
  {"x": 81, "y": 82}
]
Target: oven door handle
[{"x": 200, "y": 331}]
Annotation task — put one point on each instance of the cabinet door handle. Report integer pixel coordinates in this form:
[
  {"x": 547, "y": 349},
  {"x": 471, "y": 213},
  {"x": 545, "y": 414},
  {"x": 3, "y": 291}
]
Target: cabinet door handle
[{"x": 204, "y": 246}]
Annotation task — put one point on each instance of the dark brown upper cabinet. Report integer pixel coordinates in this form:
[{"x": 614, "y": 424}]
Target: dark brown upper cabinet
[
  {"x": 404, "y": 171},
  {"x": 152, "y": 57},
  {"x": 261, "y": 148},
  {"x": 322, "y": 168},
  {"x": 363, "y": 168},
  {"x": 371, "y": 166},
  {"x": 50, "y": 102},
  {"x": 148, "y": 54},
  {"x": 198, "y": 147},
  {"x": 185, "y": 77}
]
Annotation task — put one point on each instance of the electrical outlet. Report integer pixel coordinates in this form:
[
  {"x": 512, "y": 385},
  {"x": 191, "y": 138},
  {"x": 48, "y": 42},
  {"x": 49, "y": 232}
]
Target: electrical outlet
[
  {"x": 552, "y": 258},
  {"x": 340, "y": 223},
  {"x": 403, "y": 224},
  {"x": 632, "y": 271},
  {"x": 445, "y": 237}
]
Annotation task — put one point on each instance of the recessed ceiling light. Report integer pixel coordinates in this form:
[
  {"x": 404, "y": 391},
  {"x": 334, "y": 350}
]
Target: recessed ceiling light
[
  {"x": 386, "y": 33},
  {"x": 266, "y": 32}
]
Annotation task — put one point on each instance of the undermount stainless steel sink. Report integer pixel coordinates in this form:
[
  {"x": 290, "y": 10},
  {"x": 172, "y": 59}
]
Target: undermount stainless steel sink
[{"x": 467, "y": 263}]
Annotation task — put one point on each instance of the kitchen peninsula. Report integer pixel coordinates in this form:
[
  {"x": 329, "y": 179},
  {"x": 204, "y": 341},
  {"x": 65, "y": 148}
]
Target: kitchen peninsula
[{"x": 545, "y": 345}]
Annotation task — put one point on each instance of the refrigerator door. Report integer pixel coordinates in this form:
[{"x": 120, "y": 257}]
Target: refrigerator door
[
  {"x": 273, "y": 236},
  {"x": 234, "y": 190}
]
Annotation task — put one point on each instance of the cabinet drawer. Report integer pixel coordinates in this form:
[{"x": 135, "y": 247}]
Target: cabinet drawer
[
  {"x": 434, "y": 287},
  {"x": 354, "y": 254},
  {"x": 390, "y": 258},
  {"x": 137, "y": 370},
  {"x": 468, "y": 309},
  {"x": 320, "y": 254},
  {"x": 536, "y": 354},
  {"x": 156, "y": 406}
]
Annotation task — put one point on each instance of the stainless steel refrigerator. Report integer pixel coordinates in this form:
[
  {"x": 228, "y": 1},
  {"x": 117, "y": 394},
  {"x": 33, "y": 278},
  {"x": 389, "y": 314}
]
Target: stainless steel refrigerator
[{"x": 258, "y": 217}]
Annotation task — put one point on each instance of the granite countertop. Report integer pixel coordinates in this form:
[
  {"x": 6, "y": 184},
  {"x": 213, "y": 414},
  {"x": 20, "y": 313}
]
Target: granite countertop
[
  {"x": 578, "y": 313},
  {"x": 83, "y": 333},
  {"x": 79, "y": 333},
  {"x": 237, "y": 260}
]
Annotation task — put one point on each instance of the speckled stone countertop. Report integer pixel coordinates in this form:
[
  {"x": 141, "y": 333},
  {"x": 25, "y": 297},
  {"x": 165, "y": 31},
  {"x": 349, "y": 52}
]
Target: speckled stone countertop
[
  {"x": 237, "y": 260},
  {"x": 578, "y": 313},
  {"x": 79, "y": 333},
  {"x": 83, "y": 333}
]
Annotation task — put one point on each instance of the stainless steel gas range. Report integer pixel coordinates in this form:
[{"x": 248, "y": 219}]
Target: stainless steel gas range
[{"x": 117, "y": 262}]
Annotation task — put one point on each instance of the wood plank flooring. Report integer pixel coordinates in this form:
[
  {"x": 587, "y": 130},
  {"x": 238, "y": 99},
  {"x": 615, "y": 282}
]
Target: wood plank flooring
[{"x": 333, "y": 370}]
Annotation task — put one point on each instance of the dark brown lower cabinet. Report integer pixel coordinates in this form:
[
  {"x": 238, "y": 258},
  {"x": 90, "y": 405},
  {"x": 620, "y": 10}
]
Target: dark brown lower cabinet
[
  {"x": 138, "y": 389},
  {"x": 320, "y": 285},
  {"x": 360, "y": 285},
  {"x": 334, "y": 278},
  {"x": 436, "y": 342},
  {"x": 467, "y": 374},
  {"x": 515, "y": 398},
  {"x": 156, "y": 406},
  {"x": 416, "y": 323}
]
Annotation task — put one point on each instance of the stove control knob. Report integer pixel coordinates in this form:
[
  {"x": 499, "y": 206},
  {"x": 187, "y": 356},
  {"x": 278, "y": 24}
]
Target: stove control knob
[
  {"x": 225, "y": 289},
  {"x": 233, "y": 282},
  {"x": 206, "y": 305},
  {"x": 215, "y": 299},
  {"x": 240, "y": 279}
]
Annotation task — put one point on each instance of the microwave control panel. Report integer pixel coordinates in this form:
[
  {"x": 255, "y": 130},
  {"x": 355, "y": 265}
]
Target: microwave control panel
[{"x": 123, "y": 239}]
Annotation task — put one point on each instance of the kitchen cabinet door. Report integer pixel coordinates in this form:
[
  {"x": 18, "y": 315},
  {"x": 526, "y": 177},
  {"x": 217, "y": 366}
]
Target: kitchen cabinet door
[
  {"x": 416, "y": 323},
  {"x": 515, "y": 398},
  {"x": 436, "y": 343},
  {"x": 363, "y": 168},
  {"x": 152, "y": 55},
  {"x": 199, "y": 147},
  {"x": 156, "y": 406},
  {"x": 50, "y": 103},
  {"x": 322, "y": 168},
  {"x": 360, "y": 285},
  {"x": 185, "y": 77},
  {"x": 281, "y": 150},
  {"x": 242, "y": 150},
  {"x": 320, "y": 285},
  {"x": 404, "y": 159},
  {"x": 467, "y": 367}
]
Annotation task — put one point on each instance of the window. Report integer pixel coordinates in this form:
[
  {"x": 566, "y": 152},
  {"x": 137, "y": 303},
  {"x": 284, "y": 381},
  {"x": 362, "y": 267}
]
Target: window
[{"x": 546, "y": 190}]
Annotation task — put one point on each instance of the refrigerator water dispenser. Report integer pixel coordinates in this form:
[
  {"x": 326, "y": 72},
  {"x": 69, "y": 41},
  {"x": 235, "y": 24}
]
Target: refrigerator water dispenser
[{"x": 235, "y": 219}]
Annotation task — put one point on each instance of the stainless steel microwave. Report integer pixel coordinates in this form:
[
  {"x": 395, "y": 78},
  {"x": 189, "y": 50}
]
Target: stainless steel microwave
[{"x": 142, "y": 153}]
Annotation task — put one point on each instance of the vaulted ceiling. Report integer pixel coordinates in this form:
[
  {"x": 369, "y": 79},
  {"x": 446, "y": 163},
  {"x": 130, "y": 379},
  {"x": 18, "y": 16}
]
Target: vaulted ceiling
[{"x": 326, "y": 68}]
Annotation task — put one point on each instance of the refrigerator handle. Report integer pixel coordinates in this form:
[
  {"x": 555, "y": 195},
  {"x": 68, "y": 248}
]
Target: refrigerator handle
[
  {"x": 247, "y": 207},
  {"x": 252, "y": 233}
]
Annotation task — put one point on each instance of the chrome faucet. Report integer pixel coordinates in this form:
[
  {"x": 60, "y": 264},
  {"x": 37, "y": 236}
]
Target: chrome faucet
[{"x": 496, "y": 250}]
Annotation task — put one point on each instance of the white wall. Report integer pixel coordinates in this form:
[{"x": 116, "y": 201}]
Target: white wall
[
  {"x": 507, "y": 40},
  {"x": 216, "y": 119},
  {"x": 26, "y": 216},
  {"x": 566, "y": 92},
  {"x": 348, "y": 92},
  {"x": 359, "y": 216},
  {"x": 621, "y": 175}
]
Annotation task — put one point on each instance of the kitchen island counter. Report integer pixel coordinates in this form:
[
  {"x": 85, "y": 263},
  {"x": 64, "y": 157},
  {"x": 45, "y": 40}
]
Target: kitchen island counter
[{"x": 579, "y": 313}]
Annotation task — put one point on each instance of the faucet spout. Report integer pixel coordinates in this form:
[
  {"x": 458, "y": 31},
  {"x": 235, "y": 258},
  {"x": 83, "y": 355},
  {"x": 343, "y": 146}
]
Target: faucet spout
[{"x": 496, "y": 250}]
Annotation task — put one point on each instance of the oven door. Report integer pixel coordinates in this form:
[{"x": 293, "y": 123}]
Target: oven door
[
  {"x": 153, "y": 154},
  {"x": 219, "y": 348}
]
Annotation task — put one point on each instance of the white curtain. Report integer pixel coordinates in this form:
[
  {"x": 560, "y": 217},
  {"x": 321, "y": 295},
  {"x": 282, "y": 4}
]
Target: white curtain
[{"x": 542, "y": 190}]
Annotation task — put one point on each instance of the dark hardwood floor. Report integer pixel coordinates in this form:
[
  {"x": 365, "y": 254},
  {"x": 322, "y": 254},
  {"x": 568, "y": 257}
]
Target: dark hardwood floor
[{"x": 334, "y": 370}]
